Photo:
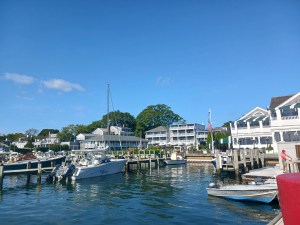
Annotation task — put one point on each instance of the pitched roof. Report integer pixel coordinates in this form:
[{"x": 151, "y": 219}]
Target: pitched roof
[
  {"x": 254, "y": 113},
  {"x": 87, "y": 134},
  {"x": 276, "y": 101},
  {"x": 160, "y": 128},
  {"x": 114, "y": 138}
]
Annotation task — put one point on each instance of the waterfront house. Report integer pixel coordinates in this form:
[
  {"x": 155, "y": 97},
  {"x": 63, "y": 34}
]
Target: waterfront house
[
  {"x": 114, "y": 130},
  {"x": 186, "y": 134},
  {"x": 273, "y": 129},
  {"x": 285, "y": 123},
  {"x": 52, "y": 139},
  {"x": 113, "y": 142},
  {"x": 118, "y": 139},
  {"x": 252, "y": 130},
  {"x": 84, "y": 136},
  {"x": 21, "y": 142},
  {"x": 158, "y": 136},
  {"x": 178, "y": 134}
]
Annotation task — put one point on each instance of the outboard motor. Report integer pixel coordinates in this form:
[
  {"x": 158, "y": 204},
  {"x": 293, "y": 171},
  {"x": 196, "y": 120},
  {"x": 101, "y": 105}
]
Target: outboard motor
[
  {"x": 69, "y": 172},
  {"x": 53, "y": 173}
]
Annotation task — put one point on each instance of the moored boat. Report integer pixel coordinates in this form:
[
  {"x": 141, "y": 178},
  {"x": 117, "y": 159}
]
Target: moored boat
[
  {"x": 175, "y": 159},
  {"x": 100, "y": 169},
  {"x": 93, "y": 163},
  {"x": 46, "y": 162},
  {"x": 265, "y": 192}
]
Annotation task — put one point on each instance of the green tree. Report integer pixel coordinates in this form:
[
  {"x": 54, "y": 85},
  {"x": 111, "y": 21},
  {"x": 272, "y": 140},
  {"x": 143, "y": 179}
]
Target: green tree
[
  {"x": 45, "y": 132},
  {"x": 154, "y": 116},
  {"x": 29, "y": 144},
  {"x": 121, "y": 119},
  {"x": 68, "y": 133},
  {"x": 14, "y": 137},
  {"x": 227, "y": 124},
  {"x": 217, "y": 136},
  {"x": 82, "y": 129},
  {"x": 93, "y": 126},
  {"x": 31, "y": 132}
]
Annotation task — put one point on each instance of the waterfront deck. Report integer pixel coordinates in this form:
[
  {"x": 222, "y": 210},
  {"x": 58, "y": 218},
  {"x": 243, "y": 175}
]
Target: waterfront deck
[{"x": 265, "y": 173}]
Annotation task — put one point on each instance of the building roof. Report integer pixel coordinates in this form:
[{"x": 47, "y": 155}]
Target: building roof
[
  {"x": 160, "y": 128},
  {"x": 114, "y": 138},
  {"x": 88, "y": 134},
  {"x": 276, "y": 101},
  {"x": 255, "y": 113}
]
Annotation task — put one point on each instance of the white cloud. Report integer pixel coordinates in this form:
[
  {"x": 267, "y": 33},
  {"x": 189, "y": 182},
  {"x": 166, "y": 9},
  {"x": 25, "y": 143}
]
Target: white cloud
[
  {"x": 62, "y": 85},
  {"x": 19, "y": 78},
  {"x": 163, "y": 81}
]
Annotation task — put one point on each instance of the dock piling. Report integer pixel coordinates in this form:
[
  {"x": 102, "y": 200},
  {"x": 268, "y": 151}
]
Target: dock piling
[
  {"x": 236, "y": 162},
  {"x": 251, "y": 160},
  {"x": 28, "y": 173},
  {"x": 218, "y": 161},
  {"x": 39, "y": 174},
  {"x": 1, "y": 175}
]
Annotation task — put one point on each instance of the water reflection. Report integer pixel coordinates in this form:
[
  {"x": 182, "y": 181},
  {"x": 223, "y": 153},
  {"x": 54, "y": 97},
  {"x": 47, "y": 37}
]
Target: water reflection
[
  {"x": 172, "y": 195},
  {"x": 252, "y": 210}
]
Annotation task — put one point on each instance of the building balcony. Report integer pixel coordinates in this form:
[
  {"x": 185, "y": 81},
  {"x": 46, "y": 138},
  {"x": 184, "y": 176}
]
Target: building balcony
[
  {"x": 286, "y": 121},
  {"x": 156, "y": 135},
  {"x": 182, "y": 127},
  {"x": 182, "y": 134},
  {"x": 290, "y": 117}
]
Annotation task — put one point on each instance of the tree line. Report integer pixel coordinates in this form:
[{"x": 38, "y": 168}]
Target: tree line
[{"x": 151, "y": 117}]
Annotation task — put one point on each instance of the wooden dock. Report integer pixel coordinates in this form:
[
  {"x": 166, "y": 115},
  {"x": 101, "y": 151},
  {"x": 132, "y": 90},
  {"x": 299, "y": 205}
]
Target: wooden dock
[
  {"x": 138, "y": 162},
  {"x": 195, "y": 157},
  {"x": 29, "y": 171},
  {"x": 242, "y": 161},
  {"x": 264, "y": 173}
]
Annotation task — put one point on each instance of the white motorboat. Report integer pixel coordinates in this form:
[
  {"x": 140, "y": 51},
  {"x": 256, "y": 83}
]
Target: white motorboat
[
  {"x": 264, "y": 192},
  {"x": 90, "y": 165},
  {"x": 90, "y": 162},
  {"x": 99, "y": 166},
  {"x": 175, "y": 159}
]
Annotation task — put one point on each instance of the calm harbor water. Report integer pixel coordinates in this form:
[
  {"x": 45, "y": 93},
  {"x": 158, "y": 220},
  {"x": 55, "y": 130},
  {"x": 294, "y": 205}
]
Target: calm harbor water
[{"x": 170, "y": 195}]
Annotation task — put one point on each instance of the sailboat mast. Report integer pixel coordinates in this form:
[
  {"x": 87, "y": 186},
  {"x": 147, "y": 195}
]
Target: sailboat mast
[{"x": 108, "y": 122}]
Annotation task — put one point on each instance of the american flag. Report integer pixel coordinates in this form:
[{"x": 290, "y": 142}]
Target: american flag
[
  {"x": 209, "y": 121},
  {"x": 209, "y": 126}
]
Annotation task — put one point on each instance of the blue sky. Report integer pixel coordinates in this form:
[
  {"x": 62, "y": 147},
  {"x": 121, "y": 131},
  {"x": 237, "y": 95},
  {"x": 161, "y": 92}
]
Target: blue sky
[{"x": 56, "y": 58}]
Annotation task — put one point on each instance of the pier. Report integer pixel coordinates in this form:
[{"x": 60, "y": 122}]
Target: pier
[
  {"x": 243, "y": 160},
  {"x": 29, "y": 171},
  {"x": 139, "y": 162}
]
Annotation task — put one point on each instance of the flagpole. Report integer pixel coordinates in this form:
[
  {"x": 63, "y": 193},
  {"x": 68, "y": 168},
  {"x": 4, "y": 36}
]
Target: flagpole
[{"x": 211, "y": 133}]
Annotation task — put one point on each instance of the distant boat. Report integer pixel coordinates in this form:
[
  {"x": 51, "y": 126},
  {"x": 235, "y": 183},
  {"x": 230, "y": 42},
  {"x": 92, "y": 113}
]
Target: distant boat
[
  {"x": 176, "y": 158},
  {"x": 265, "y": 192}
]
